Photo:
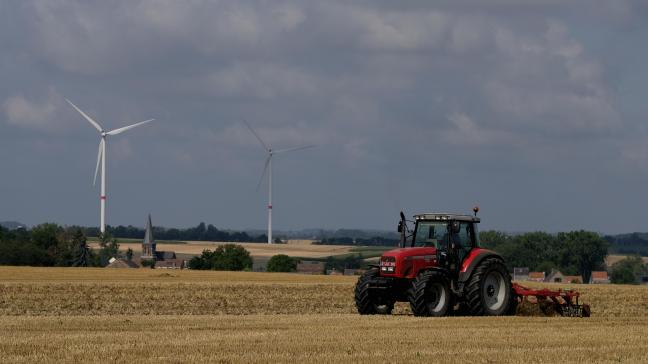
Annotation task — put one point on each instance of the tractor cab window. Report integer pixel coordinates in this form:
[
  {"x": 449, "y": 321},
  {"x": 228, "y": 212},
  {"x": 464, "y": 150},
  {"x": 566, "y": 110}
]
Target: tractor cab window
[
  {"x": 432, "y": 234},
  {"x": 464, "y": 240}
]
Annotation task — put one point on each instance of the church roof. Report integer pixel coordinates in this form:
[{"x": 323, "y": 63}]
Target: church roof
[{"x": 148, "y": 235}]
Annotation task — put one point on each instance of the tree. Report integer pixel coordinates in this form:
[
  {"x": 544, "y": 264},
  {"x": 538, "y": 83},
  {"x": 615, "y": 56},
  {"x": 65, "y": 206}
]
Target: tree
[
  {"x": 231, "y": 257},
  {"x": 281, "y": 263},
  {"x": 83, "y": 256},
  {"x": 225, "y": 257},
  {"x": 203, "y": 261},
  {"x": 491, "y": 239},
  {"x": 583, "y": 250},
  {"x": 129, "y": 254},
  {"x": 46, "y": 235},
  {"x": 628, "y": 270},
  {"x": 109, "y": 248}
]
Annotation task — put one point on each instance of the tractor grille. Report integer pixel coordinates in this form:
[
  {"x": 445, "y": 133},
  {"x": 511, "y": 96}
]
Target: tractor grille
[{"x": 388, "y": 264}]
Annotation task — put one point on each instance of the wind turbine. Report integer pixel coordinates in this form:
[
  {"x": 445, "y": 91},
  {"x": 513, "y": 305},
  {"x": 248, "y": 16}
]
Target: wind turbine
[
  {"x": 268, "y": 168},
  {"x": 101, "y": 157}
]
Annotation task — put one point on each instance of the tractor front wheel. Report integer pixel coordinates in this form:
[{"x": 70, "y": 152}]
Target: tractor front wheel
[
  {"x": 366, "y": 302},
  {"x": 488, "y": 291},
  {"x": 430, "y": 294}
]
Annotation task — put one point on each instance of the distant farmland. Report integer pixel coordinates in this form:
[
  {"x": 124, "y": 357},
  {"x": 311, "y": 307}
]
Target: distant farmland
[
  {"x": 143, "y": 315},
  {"x": 258, "y": 250}
]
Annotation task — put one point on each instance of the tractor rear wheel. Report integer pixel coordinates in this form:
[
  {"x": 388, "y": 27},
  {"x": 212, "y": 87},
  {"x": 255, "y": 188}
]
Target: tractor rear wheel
[
  {"x": 488, "y": 291},
  {"x": 366, "y": 302},
  {"x": 430, "y": 294}
]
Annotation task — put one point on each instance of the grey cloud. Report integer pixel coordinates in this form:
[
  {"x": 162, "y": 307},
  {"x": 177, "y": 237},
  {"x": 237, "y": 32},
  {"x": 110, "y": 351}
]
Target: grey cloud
[{"x": 399, "y": 97}]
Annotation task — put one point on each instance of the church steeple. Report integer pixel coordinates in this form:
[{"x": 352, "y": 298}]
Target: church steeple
[{"x": 148, "y": 245}]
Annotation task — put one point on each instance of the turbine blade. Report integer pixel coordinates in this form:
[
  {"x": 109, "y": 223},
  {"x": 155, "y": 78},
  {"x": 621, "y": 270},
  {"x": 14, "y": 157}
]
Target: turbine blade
[
  {"x": 257, "y": 136},
  {"x": 121, "y": 130},
  {"x": 94, "y": 123},
  {"x": 98, "y": 161},
  {"x": 293, "y": 149},
  {"x": 265, "y": 169}
]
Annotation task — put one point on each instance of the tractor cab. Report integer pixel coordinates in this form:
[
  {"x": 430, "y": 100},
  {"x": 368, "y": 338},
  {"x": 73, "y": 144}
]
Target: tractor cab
[{"x": 438, "y": 240}]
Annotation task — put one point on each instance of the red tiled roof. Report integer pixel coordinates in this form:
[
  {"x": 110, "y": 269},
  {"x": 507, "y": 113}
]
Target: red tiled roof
[
  {"x": 570, "y": 279},
  {"x": 600, "y": 275},
  {"x": 536, "y": 275}
]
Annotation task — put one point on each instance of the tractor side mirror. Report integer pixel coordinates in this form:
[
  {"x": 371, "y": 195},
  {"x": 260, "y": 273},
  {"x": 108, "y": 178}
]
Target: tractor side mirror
[
  {"x": 455, "y": 228},
  {"x": 400, "y": 226}
]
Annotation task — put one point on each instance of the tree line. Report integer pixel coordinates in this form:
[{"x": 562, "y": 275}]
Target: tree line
[
  {"x": 49, "y": 245},
  {"x": 346, "y": 240},
  {"x": 573, "y": 253},
  {"x": 628, "y": 244},
  {"x": 202, "y": 232}
]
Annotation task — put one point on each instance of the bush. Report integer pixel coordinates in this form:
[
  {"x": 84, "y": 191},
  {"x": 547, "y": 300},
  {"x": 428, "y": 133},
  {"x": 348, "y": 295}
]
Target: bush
[
  {"x": 281, "y": 263},
  {"x": 148, "y": 263},
  {"x": 628, "y": 270}
]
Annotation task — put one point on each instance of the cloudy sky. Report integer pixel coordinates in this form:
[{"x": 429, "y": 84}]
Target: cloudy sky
[{"x": 536, "y": 112}]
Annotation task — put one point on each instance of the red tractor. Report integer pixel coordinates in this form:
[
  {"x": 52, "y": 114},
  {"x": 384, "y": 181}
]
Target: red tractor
[{"x": 443, "y": 270}]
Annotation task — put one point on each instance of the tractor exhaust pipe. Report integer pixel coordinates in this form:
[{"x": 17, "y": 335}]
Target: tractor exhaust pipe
[{"x": 402, "y": 229}]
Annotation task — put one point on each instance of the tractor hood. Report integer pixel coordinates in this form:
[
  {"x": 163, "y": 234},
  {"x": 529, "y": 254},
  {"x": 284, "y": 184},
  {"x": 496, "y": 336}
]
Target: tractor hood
[
  {"x": 404, "y": 261},
  {"x": 403, "y": 253}
]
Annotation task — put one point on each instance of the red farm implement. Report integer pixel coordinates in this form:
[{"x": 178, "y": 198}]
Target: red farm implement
[{"x": 563, "y": 301}]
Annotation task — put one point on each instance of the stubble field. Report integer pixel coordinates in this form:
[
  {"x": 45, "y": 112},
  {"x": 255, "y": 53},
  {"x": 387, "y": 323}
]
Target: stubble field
[{"x": 75, "y": 314}]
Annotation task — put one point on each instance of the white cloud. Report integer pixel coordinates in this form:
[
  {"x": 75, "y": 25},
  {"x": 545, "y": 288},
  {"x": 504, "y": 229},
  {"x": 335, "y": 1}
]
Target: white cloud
[{"x": 25, "y": 113}]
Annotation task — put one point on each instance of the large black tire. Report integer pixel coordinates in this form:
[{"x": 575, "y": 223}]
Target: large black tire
[
  {"x": 488, "y": 291},
  {"x": 366, "y": 303},
  {"x": 513, "y": 304},
  {"x": 430, "y": 294}
]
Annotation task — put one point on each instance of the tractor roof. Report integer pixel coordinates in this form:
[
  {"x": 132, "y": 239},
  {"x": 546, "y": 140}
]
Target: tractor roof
[{"x": 444, "y": 216}]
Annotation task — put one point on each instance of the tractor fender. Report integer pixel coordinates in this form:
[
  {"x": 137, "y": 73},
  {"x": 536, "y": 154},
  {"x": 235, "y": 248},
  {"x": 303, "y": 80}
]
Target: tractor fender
[{"x": 473, "y": 259}]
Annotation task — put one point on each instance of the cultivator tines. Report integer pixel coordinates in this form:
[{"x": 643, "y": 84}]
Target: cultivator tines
[{"x": 563, "y": 302}]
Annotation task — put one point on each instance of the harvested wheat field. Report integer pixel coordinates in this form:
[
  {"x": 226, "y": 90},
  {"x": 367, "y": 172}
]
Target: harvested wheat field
[{"x": 76, "y": 314}]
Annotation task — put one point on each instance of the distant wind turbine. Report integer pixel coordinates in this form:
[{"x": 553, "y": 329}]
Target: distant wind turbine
[
  {"x": 268, "y": 168},
  {"x": 101, "y": 157}
]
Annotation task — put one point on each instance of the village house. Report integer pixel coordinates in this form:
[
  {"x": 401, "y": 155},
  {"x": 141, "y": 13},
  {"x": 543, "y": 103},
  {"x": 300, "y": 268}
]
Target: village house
[
  {"x": 536, "y": 276},
  {"x": 573, "y": 279},
  {"x": 121, "y": 263},
  {"x": 555, "y": 276},
  {"x": 521, "y": 274},
  {"x": 599, "y": 277},
  {"x": 310, "y": 267}
]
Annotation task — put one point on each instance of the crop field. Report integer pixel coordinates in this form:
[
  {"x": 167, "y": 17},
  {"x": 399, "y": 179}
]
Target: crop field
[
  {"x": 257, "y": 250},
  {"x": 611, "y": 259},
  {"x": 144, "y": 315}
]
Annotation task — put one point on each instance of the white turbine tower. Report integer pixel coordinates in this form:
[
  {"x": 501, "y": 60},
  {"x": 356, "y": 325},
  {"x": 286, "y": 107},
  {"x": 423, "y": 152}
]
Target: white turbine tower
[
  {"x": 101, "y": 157},
  {"x": 268, "y": 168}
]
